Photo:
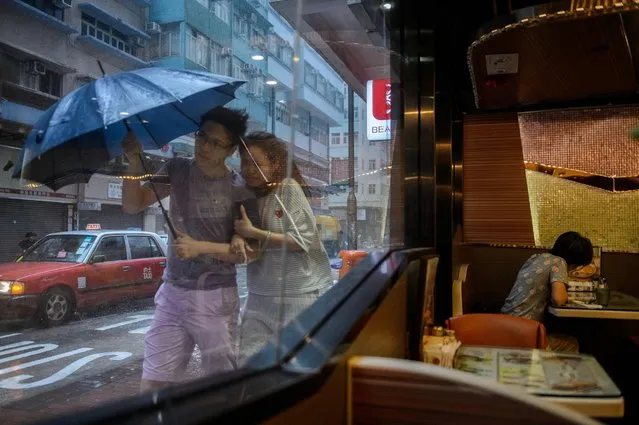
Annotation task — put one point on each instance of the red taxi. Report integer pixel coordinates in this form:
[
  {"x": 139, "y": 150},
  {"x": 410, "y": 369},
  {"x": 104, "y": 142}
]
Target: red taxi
[{"x": 72, "y": 270}]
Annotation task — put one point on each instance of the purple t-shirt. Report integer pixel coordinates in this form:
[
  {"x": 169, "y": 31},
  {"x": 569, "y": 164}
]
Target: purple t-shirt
[{"x": 205, "y": 209}]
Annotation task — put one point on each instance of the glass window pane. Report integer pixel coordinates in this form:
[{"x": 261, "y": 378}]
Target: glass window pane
[
  {"x": 294, "y": 95},
  {"x": 112, "y": 248}
]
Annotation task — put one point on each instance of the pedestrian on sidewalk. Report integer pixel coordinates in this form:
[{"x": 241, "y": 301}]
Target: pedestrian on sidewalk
[
  {"x": 279, "y": 287},
  {"x": 198, "y": 302}
]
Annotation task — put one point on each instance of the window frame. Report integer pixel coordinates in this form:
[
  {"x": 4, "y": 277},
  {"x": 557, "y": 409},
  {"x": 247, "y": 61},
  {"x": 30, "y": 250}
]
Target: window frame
[
  {"x": 99, "y": 242},
  {"x": 152, "y": 244}
]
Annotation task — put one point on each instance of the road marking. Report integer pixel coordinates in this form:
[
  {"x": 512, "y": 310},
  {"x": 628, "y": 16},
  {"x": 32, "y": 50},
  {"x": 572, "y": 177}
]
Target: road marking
[
  {"x": 14, "y": 345},
  {"x": 14, "y": 383},
  {"x": 35, "y": 349},
  {"x": 43, "y": 361},
  {"x": 9, "y": 335},
  {"x": 140, "y": 330},
  {"x": 134, "y": 319}
]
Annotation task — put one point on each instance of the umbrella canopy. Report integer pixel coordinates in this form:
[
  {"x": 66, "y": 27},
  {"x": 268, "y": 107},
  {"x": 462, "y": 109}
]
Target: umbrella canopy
[{"x": 79, "y": 134}]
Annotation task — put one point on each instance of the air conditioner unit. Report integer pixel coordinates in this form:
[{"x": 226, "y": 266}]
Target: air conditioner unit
[
  {"x": 36, "y": 68},
  {"x": 63, "y": 4},
  {"x": 313, "y": 71},
  {"x": 153, "y": 27},
  {"x": 227, "y": 51},
  {"x": 246, "y": 66},
  {"x": 253, "y": 17}
]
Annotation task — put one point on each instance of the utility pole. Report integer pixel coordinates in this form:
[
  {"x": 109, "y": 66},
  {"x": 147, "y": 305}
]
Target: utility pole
[{"x": 351, "y": 202}]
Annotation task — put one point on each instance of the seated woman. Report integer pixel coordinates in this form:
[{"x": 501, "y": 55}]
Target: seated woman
[{"x": 544, "y": 278}]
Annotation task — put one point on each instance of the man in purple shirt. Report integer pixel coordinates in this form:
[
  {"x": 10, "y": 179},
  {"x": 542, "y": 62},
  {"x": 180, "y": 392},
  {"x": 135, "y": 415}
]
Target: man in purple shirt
[{"x": 198, "y": 303}]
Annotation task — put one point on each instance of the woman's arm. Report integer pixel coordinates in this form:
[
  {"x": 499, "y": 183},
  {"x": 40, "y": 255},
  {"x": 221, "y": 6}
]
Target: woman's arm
[
  {"x": 298, "y": 218},
  {"x": 222, "y": 251},
  {"x": 559, "y": 295},
  {"x": 275, "y": 240}
]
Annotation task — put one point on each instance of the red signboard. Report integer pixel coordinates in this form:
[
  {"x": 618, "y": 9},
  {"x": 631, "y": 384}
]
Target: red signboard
[
  {"x": 94, "y": 226},
  {"x": 381, "y": 98}
]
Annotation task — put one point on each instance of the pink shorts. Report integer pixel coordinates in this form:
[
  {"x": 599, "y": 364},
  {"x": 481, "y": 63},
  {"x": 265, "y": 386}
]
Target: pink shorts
[{"x": 185, "y": 318}]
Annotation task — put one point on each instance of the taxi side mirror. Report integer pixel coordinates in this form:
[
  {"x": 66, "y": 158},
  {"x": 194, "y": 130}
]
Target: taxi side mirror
[{"x": 98, "y": 259}]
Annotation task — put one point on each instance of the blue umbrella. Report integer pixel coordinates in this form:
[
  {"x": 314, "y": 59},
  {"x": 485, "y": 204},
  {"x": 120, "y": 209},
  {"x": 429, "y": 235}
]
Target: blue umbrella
[{"x": 80, "y": 133}]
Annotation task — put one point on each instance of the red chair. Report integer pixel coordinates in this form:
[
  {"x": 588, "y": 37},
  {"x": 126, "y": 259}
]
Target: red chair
[{"x": 498, "y": 330}]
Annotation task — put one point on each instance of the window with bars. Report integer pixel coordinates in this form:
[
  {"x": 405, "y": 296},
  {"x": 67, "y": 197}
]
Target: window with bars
[
  {"x": 219, "y": 62},
  {"x": 372, "y": 164},
  {"x": 197, "y": 48},
  {"x": 321, "y": 86},
  {"x": 101, "y": 31},
  {"x": 310, "y": 76},
  {"x": 49, "y": 83},
  {"x": 222, "y": 10},
  {"x": 47, "y": 6},
  {"x": 372, "y": 189},
  {"x": 165, "y": 44},
  {"x": 240, "y": 25},
  {"x": 302, "y": 122},
  {"x": 283, "y": 114}
]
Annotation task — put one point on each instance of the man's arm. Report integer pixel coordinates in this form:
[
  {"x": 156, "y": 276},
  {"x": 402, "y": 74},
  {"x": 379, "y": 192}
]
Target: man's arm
[{"x": 136, "y": 198}]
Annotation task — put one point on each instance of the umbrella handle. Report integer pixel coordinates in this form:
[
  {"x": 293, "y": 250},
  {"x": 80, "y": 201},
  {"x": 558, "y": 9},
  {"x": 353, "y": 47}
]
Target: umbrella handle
[
  {"x": 157, "y": 196},
  {"x": 155, "y": 191}
]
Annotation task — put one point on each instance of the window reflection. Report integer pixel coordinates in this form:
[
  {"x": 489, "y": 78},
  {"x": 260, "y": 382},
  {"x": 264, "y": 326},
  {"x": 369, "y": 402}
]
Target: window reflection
[{"x": 258, "y": 237}]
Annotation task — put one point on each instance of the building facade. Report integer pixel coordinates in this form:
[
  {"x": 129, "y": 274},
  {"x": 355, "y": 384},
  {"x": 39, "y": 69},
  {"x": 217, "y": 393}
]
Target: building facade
[
  {"x": 63, "y": 44},
  {"x": 248, "y": 40},
  {"x": 48, "y": 48},
  {"x": 372, "y": 166}
]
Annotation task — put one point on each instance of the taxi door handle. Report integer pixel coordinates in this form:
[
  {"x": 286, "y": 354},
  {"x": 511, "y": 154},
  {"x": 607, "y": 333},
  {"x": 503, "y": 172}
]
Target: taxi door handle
[
  {"x": 126, "y": 268},
  {"x": 162, "y": 263}
]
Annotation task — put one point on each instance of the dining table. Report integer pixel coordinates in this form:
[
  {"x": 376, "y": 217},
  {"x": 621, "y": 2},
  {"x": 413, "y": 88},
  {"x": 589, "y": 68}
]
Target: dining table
[
  {"x": 618, "y": 306},
  {"x": 576, "y": 381}
]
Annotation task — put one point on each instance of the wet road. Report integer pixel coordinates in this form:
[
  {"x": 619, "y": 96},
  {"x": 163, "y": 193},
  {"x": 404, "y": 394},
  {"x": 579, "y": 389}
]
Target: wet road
[
  {"x": 36, "y": 360},
  {"x": 93, "y": 359}
]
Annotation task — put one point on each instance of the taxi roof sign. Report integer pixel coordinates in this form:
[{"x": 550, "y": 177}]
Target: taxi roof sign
[{"x": 95, "y": 226}]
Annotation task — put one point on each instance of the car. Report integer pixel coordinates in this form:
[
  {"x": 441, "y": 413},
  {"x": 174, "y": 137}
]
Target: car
[
  {"x": 164, "y": 238},
  {"x": 67, "y": 271}
]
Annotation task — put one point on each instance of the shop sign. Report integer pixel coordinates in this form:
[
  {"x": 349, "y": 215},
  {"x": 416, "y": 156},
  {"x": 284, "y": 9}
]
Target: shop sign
[
  {"x": 114, "y": 190},
  {"x": 378, "y": 110},
  {"x": 40, "y": 193},
  {"x": 89, "y": 206},
  {"x": 502, "y": 64}
]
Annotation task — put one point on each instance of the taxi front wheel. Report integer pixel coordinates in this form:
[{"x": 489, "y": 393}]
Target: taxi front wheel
[{"x": 56, "y": 307}]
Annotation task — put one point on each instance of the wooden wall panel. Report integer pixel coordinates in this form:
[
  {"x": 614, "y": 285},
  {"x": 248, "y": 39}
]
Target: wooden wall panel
[{"x": 495, "y": 206}]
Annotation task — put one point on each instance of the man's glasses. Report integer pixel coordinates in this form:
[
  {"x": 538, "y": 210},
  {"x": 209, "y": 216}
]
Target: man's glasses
[{"x": 214, "y": 140}]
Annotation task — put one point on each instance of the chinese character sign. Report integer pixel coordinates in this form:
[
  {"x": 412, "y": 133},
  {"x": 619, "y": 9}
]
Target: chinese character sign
[{"x": 378, "y": 105}]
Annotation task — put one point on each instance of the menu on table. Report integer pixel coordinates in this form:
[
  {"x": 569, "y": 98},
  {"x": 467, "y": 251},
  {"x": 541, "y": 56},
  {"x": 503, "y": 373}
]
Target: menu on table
[{"x": 539, "y": 372}]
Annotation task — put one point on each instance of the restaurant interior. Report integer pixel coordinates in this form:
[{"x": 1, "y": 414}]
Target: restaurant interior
[{"x": 514, "y": 122}]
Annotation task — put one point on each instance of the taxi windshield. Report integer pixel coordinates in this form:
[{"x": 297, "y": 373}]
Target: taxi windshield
[{"x": 60, "y": 248}]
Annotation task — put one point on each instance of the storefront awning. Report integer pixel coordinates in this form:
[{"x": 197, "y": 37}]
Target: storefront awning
[{"x": 348, "y": 34}]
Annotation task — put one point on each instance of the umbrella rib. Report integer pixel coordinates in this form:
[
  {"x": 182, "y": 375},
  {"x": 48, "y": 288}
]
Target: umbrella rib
[
  {"x": 141, "y": 121},
  {"x": 185, "y": 115}
]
